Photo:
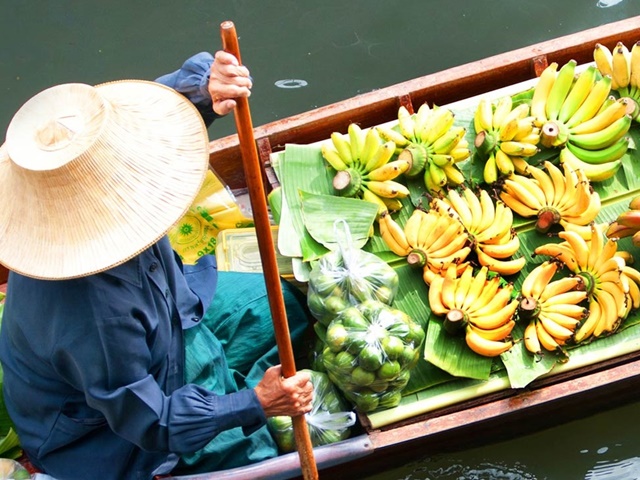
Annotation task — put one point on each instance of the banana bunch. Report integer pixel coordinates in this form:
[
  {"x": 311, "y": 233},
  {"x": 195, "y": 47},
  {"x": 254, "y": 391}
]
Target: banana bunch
[
  {"x": 432, "y": 145},
  {"x": 623, "y": 66},
  {"x": 489, "y": 226},
  {"x": 505, "y": 136},
  {"x": 480, "y": 306},
  {"x": 552, "y": 308},
  {"x": 600, "y": 268},
  {"x": 553, "y": 196},
  {"x": 364, "y": 169},
  {"x": 627, "y": 224},
  {"x": 577, "y": 115},
  {"x": 429, "y": 240}
]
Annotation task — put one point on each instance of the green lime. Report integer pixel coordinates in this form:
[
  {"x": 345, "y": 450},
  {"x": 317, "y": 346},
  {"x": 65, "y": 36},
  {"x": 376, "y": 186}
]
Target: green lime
[
  {"x": 324, "y": 283},
  {"x": 353, "y": 319},
  {"x": 336, "y": 337},
  {"x": 392, "y": 346},
  {"x": 409, "y": 356},
  {"x": 390, "y": 399},
  {"x": 334, "y": 304},
  {"x": 367, "y": 401},
  {"x": 379, "y": 386},
  {"x": 389, "y": 370},
  {"x": 416, "y": 334},
  {"x": 401, "y": 380},
  {"x": 356, "y": 342},
  {"x": 384, "y": 294},
  {"x": 362, "y": 377},
  {"x": 370, "y": 357},
  {"x": 344, "y": 362}
]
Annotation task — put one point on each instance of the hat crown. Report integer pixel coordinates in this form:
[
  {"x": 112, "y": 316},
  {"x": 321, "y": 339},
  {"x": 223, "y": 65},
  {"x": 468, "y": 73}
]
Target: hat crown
[{"x": 56, "y": 126}]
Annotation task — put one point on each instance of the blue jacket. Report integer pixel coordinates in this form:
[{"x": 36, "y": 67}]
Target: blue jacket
[{"x": 93, "y": 367}]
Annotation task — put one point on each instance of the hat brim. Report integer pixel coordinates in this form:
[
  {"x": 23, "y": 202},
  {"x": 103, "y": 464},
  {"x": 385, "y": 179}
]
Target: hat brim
[{"x": 133, "y": 179}]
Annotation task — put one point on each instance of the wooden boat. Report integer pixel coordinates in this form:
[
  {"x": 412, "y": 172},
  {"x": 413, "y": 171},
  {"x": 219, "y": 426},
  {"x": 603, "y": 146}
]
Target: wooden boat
[{"x": 499, "y": 415}]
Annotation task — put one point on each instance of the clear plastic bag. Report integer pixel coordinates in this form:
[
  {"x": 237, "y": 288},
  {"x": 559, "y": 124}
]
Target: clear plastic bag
[
  {"x": 369, "y": 352},
  {"x": 329, "y": 420},
  {"x": 348, "y": 276}
]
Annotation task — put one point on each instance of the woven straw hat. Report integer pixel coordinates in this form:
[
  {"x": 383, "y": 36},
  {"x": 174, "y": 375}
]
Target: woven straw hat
[{"x": 92, "y": 176}]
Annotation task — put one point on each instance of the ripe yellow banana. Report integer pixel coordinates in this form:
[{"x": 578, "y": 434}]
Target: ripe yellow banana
[
  {"x": 536, "y": 281},
  {"x": 463, "y": 284},
  {"x": 342, "y": 146},
  {"x": 485, "y": 347},
  {"x": 476, "y": 287},
  {"x": 435, "y": 296},
  {"x": 388, "y": 171},
  {"x": 496, "y": 334},
  {"x": 559, "y": 252},
  {"x": 388, "y": 188},
  {"x": 503, "y": 267},
  {"x": 634, "y": 62},
  {"x": 593, "y": 103},
  {"x": 586, "y": 329},
  {"x": 502, "y": 250},
  {"x": 620, "y": 67},
  {"x": 603, "y": 119},
  {"x": 562, "y": 285},
  {"x": 541, "y": 93},
  {"x": 604, "y": 59},
  {"x": 548, "y": 342},
  {"x": 483, "y": 117},
  {"x": 393, "y": 235},
  {"x": 333, "y": 158},
  {"x": 578, "y": 93},
  {"x": 531, "y": 341},
  {"x": 406, "y": 123}
]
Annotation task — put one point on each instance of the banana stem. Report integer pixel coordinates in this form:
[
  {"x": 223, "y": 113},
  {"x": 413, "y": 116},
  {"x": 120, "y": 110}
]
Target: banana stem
[
  {"x": 347, "y": 182},
  {"x": 547, "y": 217},
  {"x": 417, "y": 258},
  {"x": 633, "y": 108},
  {"x": 528, "y": 308},
  {"x": 454, "y": 321},
  {"x": 416, "y": 155},
  {"x": 485, "y": 143}
]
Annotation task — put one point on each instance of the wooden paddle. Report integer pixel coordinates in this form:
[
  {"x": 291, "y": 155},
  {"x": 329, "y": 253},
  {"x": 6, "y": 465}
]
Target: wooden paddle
[{"x": 257, "y": 196}]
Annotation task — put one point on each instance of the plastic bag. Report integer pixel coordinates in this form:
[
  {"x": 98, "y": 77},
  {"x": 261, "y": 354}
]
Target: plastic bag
[
  {"x": 348, "y": 276},
  {"x": 329, "y": 420},
  {"x": 214, "y": 209},
  {"x": 369, "y": 353}
]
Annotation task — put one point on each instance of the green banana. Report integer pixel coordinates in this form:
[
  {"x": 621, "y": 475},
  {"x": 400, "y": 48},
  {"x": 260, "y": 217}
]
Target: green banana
[
  {"x": 449, "y": 140},
  {"x": 594, "y": 172},
  {"x": 605, "y": 155},
  {"x": 437, "y": 174},
  {"x": 603, "y": 138},
  {"x": 416, "y": 155},
  {"x": 560, "y": 89}
]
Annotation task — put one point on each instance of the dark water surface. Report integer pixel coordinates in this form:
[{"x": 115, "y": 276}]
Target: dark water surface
[{"x": 309, "y": 53}]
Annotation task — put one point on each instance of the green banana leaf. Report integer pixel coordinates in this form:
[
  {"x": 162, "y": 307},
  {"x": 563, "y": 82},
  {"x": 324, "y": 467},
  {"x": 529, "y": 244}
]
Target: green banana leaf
[{"x": 450, "y": 371}]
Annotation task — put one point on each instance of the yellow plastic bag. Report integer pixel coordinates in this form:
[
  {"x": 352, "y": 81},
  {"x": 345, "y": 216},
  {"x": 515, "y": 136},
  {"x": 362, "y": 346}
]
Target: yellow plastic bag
[{"x": 214, "y": 209}]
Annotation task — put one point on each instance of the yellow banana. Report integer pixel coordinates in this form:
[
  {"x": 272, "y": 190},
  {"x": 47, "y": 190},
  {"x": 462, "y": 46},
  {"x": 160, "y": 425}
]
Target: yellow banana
[
  {"x": 393, "y": 235},
  {"x": 333, "y": 158},
  {"x": 488, "y": 211},
  {"x": 356, "y": 141},
  {"x": 603, "y": 119},
  {"x": 604, "y": 59},
  {"x": 388, "y": 171},
  {"x": 448, "y": 288},
  {"x": 604, "y": 138},
  {"x": 342, "y": 146},
  {"x": 460, "y": 206},
  {"x": 537, "y": 280},
  {"x": 381, "y": 156},
  {"x": 562, "y": 285},
  {"x": 525, "y": 190},
  {"x": 389, "y": 134},
  {"x": 476, "y": 209},
  {"x": 495, "y": 334},
  {"x": 570, "y": 308},
  {"x": 435, "y": 297},
  {"x": 490, "y": 318},
  {"x": 578, "y": 93},
  {"x": 517, "y": 205},
  {"x": 620, "y": 67},
  {"x": 388, "y": 188},
  {"x": 483, "y": 116},
  {"x": 559, "y": 252},
  {"x": 546, "y": 340},
  {"x": 609, "y": 320},
  {"x": 370, "y": 148},
  {"x": 456, "y": 242},
  {"x": 545, "y": 182},
  {"x": 421, "y": 120},
  {"x": 490, "y": 170},
  {"x": 541, "y": 93},
  {"x": 502, "y": 108},
  {"x": 566, "y": 321},
  {"x": 592, "y": 104},
  {"x": 500, "y": 228},
  {"x": 634, "y": 62},
  {"x": 454, "y": 175},
  {"x": 463, "y": 285},
  {"x": 557, "y": 331},
  {"x": 485, "y": 347},
  {"x": 369, "y": 196},
  {"x": 504, "y": 163},
  {"x": 475, "y": 288},
  {"x": 502, "y": 250},
  {"x": 406, "y": 123},
  {"x": 440, "y": 122},
  {"x": 586, "y": 329},
  {"x": 503, "y": 267},
  {"x": 531, "y": 341},
  {"x": 578, "y": 245},
  {"x": 412, "y": 226},
  {"x": 520, "y": 149},
  {"x": 436, "y": 176}
]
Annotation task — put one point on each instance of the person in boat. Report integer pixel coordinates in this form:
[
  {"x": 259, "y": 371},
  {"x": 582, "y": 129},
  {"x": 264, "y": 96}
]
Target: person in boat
[{"x": 119, "y": 362}]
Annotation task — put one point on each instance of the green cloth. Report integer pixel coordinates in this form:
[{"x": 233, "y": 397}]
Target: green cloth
[{"x": 230, "y": 350}]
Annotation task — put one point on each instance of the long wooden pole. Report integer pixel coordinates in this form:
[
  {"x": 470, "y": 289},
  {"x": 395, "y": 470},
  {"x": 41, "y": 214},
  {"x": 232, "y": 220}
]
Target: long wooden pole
[{"x": 257, "y": 196}]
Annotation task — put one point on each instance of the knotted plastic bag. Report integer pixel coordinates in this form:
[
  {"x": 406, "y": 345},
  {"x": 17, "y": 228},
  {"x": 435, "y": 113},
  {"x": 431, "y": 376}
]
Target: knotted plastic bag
[
  {"x": 348, "y": 276},
  {"x": 369, "y": 352},
  {"x": 329, "y": 420}
]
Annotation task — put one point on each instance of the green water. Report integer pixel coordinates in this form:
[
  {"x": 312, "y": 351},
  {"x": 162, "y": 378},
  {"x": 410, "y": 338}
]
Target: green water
[{"x": 329, "y": 50}]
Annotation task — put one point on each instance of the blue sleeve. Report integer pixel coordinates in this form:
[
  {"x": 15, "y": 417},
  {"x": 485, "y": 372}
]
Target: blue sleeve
[{"x": 192, "y": 80}]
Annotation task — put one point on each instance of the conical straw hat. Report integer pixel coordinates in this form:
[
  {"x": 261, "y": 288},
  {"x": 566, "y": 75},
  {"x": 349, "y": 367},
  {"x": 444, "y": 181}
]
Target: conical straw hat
[{"x": 92, "y": 176}]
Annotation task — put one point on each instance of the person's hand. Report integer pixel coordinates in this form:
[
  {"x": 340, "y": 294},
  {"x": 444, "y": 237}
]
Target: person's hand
[
  {"x": 290, "y": 396},
  {"x": 228, "y": 80}
]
